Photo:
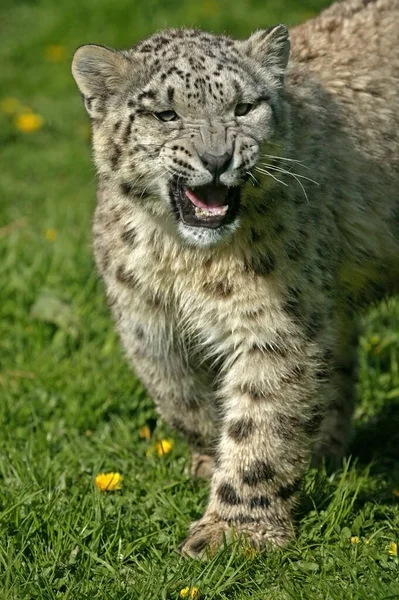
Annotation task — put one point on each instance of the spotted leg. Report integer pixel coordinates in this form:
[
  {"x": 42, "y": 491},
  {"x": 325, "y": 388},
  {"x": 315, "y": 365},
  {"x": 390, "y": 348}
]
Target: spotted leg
[
  {"x": 270, "y": 405},
  {"x": 182, "y": 393},
  {"x": 335, "y": 430},
  {"x": 202, "y": 466}
]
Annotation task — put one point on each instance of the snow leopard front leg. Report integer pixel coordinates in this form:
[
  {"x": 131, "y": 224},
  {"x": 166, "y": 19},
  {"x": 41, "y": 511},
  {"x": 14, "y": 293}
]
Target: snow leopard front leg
[
  {"x": 182, "y": 392},
  {"x": 271, "y": 408}
]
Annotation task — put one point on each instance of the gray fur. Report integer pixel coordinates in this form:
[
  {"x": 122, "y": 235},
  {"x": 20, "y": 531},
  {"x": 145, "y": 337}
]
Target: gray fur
[{"x": 244, "y": 335}]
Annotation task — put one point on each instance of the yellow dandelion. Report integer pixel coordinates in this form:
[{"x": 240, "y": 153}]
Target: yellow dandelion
[
  {"x": 354, "y": 539},
  {"x": 393, "y": 550},
  {"x": 9, "y": 105},
  {"x": 28, "y": 122},
  {"x": 188, "y": 592},
  {"x": 50, "y": 235},
  {"x": 162, "y": 447},
  {"x": 145, "y": 432},
  {"x": 55, "y": 53},
  {"x": 107, "y": 482},
  {"x": 396, "y": 492}
]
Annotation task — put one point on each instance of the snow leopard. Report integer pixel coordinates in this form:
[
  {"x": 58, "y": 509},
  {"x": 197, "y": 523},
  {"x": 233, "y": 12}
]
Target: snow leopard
[{"x": 247, "y": 211}]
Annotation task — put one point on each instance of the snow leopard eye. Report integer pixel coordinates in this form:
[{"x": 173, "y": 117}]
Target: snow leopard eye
[
  {"x": 243, "y": 109},
  {"x": 166, "y": 115}
]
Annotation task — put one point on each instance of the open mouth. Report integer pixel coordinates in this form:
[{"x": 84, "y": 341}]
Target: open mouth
[{"x": 206, "y": 206}]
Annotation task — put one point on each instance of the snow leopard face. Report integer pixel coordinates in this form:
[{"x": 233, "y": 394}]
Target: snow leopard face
[{"x": 179, "y": 121}]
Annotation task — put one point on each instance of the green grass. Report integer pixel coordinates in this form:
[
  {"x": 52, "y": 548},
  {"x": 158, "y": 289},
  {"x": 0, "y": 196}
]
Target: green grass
[{"x": 70, "y": 407}]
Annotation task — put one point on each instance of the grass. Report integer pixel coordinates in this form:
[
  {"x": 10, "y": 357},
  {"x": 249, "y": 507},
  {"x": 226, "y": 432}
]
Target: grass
[{"x": 70, "y": 407}]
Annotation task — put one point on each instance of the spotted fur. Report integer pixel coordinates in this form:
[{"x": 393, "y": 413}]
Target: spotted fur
[{"x": 244, "y": 334}]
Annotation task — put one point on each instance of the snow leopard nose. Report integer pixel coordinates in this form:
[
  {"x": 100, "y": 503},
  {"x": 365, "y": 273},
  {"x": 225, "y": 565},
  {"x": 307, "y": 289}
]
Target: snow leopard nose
[{"x": 216, "y": 163}]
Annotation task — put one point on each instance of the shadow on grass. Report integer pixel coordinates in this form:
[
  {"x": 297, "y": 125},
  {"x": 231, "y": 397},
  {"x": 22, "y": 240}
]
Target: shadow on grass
[
  {"x": 376, "y": 443},
  {"x": 377, "y": 440},
  {"x": 375, "y": 449}
]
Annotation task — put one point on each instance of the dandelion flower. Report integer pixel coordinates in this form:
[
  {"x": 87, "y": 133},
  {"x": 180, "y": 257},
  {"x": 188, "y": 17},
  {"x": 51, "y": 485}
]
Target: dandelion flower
[
  {"x": 145, "y": 432},
  {"x": 9, "y": 105},
  {"x": 108, "y": 481},
  {"x": 162, "y": 447},
  {"x": 188, "y": 592},
  {"x": 396, "y": 492},
  {"x": 50, "y": 235},
  {"x": 393, "y": 550},
  {"x": 28, "y": 122},
  {"x": 354, "y": 539},
  {"x": 55, "y": 53}
]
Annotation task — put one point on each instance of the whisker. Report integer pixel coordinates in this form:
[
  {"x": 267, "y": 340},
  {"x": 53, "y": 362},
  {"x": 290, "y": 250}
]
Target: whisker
[
  {"x": 300, "y": 183},
  {"x": 286, "y": 184},
  {"x": 152, "y": 183},
  {"x": 294, "y": 175},
  {"x": 282, "y": 170},
  {"x": 253, "y": 179},
  {"x": 294, "y": 160},
  {"x": 264, "y": 171},
  {"x": 133, "y": 182}
]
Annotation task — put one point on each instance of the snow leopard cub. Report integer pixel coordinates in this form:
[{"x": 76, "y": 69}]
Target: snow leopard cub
[{"x": 247, "y": 206}]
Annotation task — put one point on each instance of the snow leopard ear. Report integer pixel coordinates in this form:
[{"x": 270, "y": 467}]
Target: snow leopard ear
[
  {"x": 271, "y": 47},
  {"x": 98, "y": 71}
]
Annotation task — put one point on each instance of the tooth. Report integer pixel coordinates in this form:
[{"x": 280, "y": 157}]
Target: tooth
[{"x": 202, "y": 212}]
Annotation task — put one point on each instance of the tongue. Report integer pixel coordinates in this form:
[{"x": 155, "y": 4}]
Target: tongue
[{"x": 208, "y": 196}]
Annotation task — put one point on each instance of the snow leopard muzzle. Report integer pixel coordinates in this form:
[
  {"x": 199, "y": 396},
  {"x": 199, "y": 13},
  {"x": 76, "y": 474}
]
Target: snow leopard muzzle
[{"x": 211, "y": 205}]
